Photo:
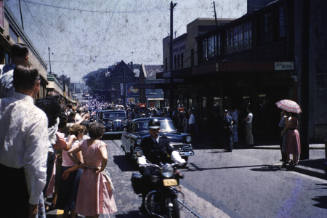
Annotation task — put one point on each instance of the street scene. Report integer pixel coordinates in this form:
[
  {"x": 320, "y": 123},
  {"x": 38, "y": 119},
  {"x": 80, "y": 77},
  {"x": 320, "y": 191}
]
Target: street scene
[{"x": 170, "y": 109}]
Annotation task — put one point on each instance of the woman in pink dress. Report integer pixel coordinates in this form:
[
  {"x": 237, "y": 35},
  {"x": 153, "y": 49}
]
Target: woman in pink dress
[
  {"x": 292, "y": 142},
  {"x": 95, "y": 191}
]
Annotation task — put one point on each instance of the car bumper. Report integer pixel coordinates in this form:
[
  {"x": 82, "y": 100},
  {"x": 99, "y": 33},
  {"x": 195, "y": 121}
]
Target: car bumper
[
  {"x": 113, "y": 133},
  {"x": 186, "y": 153}
]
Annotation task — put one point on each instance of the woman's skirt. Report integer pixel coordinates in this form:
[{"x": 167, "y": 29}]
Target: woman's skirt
[{"x": 293, "y": 145}]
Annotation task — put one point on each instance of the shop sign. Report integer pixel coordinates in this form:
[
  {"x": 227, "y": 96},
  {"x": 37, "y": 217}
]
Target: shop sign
[
  {"x": 287, "y": 65},
  {"x": 2, "y": 15}
]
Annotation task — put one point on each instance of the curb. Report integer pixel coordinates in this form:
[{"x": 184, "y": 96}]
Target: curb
[{"x": 311, "y": 172}]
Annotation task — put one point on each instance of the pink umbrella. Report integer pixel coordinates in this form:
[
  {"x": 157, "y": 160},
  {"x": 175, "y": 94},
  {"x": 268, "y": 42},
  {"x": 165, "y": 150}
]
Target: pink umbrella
[{"x": 289, "y": 106}]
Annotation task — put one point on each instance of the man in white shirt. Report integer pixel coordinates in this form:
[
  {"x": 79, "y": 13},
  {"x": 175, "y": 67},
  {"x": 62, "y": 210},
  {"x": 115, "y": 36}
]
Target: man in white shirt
[
  {"x": 23, "y": 146},
  {"x": 19, "y": 52}
]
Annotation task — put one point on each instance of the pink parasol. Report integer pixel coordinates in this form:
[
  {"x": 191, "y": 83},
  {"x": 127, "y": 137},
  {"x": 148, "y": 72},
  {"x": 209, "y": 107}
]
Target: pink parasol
[{"x": 289, "y": 106}]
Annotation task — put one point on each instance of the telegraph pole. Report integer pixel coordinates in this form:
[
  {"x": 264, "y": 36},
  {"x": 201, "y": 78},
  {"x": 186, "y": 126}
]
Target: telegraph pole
[
  {"x": 171, "y": 96},
  {"x": 49, "y": 60},
  {"x": 305, "y": 82},
  {"x": 214, "y": 10},
  {"x": 21, "y": 15}
]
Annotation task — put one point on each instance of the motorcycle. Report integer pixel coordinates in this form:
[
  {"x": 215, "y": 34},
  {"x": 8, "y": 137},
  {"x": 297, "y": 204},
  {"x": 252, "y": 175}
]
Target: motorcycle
[{"x": 159, "y": 187}]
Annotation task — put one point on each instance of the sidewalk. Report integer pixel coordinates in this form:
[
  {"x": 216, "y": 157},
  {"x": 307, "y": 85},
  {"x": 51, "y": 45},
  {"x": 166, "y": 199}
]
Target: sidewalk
[{"x": 315, "y": 166}]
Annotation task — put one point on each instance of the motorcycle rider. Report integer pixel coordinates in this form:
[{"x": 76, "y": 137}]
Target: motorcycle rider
[{"x": 156, "y": 149}]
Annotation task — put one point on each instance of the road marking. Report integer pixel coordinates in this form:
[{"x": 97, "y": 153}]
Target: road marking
[{"x": 203, "y": 207}]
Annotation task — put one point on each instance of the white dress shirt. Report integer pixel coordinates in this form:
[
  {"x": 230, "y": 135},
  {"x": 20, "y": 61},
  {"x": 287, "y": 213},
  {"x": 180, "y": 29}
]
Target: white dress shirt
[
  {"x": 24, "y": 141},
  {"x": 191, "y": 120}
]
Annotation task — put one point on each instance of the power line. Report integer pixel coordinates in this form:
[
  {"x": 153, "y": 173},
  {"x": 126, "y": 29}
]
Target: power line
[{"x": 94, "y": 11}]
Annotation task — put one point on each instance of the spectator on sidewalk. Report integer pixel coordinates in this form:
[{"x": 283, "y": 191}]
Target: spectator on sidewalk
[
  {"x": 52, "y": 108},
  {"x": 70, "y": 175},
  {"x": 228, "y": 131},
  {"x": 234, "y": 114},
  {"x": 281, "y": 125},
  {"x": 248, "y": 127},
  {"x": 24, "y": 146},
  {"x": 192, "y": 123},
  {"x": 19, "y": 52},
  {"x": 95, "y": 191},
  {"x": 292, "y": 142}
]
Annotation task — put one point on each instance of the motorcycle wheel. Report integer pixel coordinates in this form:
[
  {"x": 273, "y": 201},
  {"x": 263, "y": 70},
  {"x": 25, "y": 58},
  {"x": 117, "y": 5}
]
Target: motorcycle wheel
[{"x": 175, "y": 212}]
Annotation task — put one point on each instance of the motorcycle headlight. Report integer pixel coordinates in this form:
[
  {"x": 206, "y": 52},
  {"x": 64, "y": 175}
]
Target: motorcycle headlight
[
  {"x": 188, "y": 139},
  {"x": 138, "y": 141},
  {"x": 167, "y": 171}
]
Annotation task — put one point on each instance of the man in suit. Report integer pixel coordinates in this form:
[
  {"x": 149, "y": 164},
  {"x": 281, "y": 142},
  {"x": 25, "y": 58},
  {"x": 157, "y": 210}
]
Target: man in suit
[{"x": 156, "y": 147}]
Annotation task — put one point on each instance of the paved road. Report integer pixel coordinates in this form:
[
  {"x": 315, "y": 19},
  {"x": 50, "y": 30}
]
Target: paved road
[
  {"x": 246, "y": 183},
  {"x": 121, "y": 170}
]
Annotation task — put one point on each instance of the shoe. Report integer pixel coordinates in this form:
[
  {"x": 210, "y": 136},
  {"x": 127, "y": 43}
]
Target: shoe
[{"x": 228, "y": 150}]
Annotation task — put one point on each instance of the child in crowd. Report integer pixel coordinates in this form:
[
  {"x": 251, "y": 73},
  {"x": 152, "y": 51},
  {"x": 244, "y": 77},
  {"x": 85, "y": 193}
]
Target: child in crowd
[
  {"x": 70, "y": 180},
  {"x": 95, "y": 191}
]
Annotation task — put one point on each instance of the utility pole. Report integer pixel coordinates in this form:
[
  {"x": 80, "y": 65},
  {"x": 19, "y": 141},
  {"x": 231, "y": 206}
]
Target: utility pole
[
  {"x": 171, "y": 96},
  {"x": 21, "y": 15},
  {"x": 124, "y": 87},
  {"x": 214, "y": 10},
  {"x": 305, "y": 82},
  {"x": 49, "y": 60}
]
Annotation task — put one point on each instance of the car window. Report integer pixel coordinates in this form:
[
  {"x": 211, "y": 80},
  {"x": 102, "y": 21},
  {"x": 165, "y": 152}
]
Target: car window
[
  {"x": 141, "y": 125},
  {"x": 167, "y": 126},
  {"x": 114, "y": 115}
]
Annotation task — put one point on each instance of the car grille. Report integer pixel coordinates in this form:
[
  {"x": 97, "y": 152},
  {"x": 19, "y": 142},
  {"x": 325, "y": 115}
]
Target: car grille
[{"x": 117, "y": 125}]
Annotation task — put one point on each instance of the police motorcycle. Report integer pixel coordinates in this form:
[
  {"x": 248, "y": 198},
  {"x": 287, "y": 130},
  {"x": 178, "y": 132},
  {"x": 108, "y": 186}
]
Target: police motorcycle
[{"x": 158, "y": 184}]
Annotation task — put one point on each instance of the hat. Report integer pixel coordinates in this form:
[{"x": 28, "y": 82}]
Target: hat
[{"x": 154, "y": 124}]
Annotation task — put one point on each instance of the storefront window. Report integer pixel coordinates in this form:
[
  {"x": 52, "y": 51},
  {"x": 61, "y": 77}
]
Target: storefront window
[{"x": 282, "y": 22}]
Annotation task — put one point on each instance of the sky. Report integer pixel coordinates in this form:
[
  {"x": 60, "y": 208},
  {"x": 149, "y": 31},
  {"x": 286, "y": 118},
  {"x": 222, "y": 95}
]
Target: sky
[{"x": 85, "y": 35}]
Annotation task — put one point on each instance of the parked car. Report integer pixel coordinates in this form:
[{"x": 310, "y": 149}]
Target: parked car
[
  {"x": 114, "y": 120},
  {"x": 137, "y": 129}
]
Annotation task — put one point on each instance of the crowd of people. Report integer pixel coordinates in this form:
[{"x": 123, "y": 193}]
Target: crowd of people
[{"x": 49, "y": 151}]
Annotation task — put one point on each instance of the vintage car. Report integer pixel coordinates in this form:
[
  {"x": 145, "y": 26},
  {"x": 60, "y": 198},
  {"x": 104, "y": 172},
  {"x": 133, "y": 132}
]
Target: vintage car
[
  {"x": 137, "y": 129},
  {"x": 114, "y": 120}
]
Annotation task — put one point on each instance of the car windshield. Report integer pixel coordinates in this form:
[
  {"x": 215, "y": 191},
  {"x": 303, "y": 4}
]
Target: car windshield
[
  {"x": 167, "y": 126},
  {"x": 141, "y": 125},
  {"x": 114, "y": 115}
]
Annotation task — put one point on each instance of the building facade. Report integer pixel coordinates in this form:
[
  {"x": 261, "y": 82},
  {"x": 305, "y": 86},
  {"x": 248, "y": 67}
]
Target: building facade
[
  {"x": 10, "y": 33},
  {"x": 271, "y": 53}
]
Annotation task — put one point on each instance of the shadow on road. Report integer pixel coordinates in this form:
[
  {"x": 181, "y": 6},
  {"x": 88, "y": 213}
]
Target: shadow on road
[
  {"x": 267, "y": 168},
  {"x": 194, "y": 167},
  {"x": 321, "y": 202},
  {"x": 131, "y": 214},
  {"x": 124, "y": 164}
]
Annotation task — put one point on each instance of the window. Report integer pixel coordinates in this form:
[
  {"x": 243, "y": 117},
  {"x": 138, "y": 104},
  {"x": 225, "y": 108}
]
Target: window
[
  {"x": 175, "y": 62},
  {"x": 166, "y": 64},
  {"x": 192, "y": 57},
  {"x": 267, "y": 27},
  {"x": 205, "y": 49},
  {"x": 212, "y": 46},
  {"x": 13, "y": 34},
  {"x": 182, "y": 60},
  {"x": 282, "y": 22},
  {"x": 218, "y": 38}
]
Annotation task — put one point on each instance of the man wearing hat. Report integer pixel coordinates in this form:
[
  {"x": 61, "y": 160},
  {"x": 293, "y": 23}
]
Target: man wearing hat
[
  {"x": 156, "y": 147},
  {"x": 228, "y": 130}
]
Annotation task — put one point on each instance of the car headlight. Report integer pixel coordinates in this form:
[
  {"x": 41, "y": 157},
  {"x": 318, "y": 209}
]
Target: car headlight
[
  {"x": 188, "y": 139},
  {"x": 167, "y": 171},
  {"x": 138, "y": 141}
]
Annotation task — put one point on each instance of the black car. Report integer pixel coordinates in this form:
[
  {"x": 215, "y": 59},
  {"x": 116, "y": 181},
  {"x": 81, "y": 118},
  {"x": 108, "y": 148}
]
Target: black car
[
  {"x": 114, "y": 121},
  {"x": 137, "y": 129}
]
